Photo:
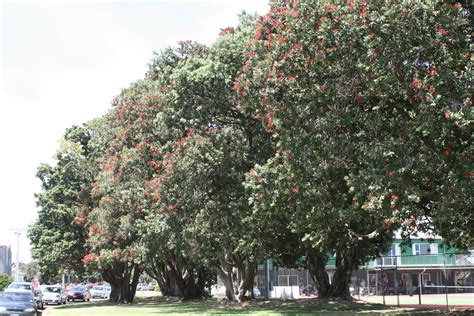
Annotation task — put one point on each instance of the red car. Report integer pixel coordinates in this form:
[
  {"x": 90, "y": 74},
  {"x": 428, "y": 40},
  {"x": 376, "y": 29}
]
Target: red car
[{"x": 79, "y": 293}]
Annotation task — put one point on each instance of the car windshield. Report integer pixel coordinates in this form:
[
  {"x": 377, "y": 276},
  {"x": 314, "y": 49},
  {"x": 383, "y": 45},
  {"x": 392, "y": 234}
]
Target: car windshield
[
  {"x": 16, "y": 297},
  {"x": 20, "y": 286},
  {"x": 78, "y": 289},
  {"x": 52, "y": 290}
]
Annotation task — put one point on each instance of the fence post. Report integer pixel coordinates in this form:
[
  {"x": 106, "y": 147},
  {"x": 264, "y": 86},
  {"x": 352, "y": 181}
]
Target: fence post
[
  {"x": 446, "y": 282},
  {"x": 397, "y": 288},
  {"x": 383, "y": 280}
]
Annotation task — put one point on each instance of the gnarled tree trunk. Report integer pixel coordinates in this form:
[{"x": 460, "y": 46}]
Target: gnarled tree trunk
[
  {"x": 227, "y": 276},
  {"x": 247, "y": 276},
  {"x": 123, "y": 278},
  {"x": 345, "y": 264},
  {"x": 316, "y": 264},
  {"x": 159, "y": 270}
]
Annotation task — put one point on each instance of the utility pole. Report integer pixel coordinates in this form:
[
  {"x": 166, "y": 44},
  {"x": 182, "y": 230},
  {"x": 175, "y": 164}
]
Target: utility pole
[
  {"x": 17, "y": 232},
  {"x": 17, "y": 264}
]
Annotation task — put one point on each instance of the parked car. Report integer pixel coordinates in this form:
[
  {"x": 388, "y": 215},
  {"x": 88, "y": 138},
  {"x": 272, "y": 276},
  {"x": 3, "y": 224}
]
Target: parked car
[
  {"x": 79, "y": 293},
  {"x": 144, "y": 287},
  {"x": 28, "y": 286},
  {"x": 99, "y": 291},
  {"x": 107, "y": 290},
  {"x": 256, "y": 292},
  {"x": 17, "y": 302},
  {"x": 54, "y": 294}
]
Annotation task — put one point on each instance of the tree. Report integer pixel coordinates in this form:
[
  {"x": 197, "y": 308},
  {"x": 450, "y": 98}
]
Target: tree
[
  {"x": 367, "y": 119},
  {"x": 201, "y": 107},
  {"x": 56, "y": 240},
  {"x": 31, "y": 270},
  {"x": 5, "y": 280}
]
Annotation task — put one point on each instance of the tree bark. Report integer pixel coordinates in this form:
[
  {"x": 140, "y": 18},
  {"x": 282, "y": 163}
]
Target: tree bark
[
  {"x": 123, "y": 278},
  {"x": 317, "y": 269},
  {"x": 342, "y": 276},
  {"x": 160, "y": 271},
  {"x": 226, "y": 275},
  {"x": 247, "y": 277}
]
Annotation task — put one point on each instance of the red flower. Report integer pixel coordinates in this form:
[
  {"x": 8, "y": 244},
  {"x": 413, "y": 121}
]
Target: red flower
[
  {"x": 370, "y": 36},
  {"x": 329, "y": 8},
  {"x": 415, "y": 84},
  {"x": 442, "y": 32},
  {"x": 447, "y": 114}
]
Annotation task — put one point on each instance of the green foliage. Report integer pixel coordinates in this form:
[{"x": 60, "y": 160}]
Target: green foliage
[
  {"x": 57, "y": 241},
  {"x": 5, "y": 280},
  {"x": 31, "y": 270},
  {"x": 368, "y": 104},
  {"x": 325, "y": 127}
]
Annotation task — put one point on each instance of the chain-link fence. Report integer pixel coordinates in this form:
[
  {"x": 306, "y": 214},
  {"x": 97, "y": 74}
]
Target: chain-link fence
[{"x": 432, "y": 279}]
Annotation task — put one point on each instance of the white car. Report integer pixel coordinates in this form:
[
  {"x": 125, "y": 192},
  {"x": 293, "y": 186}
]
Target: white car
[
  {"x": 99, "y": 291},
  {"x": 144, "y": 287},
  {"x": 54, "y": 294}
]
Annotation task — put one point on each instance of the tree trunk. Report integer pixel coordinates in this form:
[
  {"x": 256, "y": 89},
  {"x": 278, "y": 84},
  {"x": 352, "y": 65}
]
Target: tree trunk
[
  {"x": 227, "y": 277},
  {"x": 342, "y": 276},
  {"x": 160, "y": 271},
  {"x": 247, "y": 277},
  {"x": 123, "y": 278},
  {"x": 317, "y": 269}
]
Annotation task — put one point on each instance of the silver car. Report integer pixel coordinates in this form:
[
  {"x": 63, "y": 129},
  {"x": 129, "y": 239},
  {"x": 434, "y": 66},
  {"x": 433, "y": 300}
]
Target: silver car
[
  {"x": 99, "y": 291},
  {"x": 54, "y": 294},
  {"x": 28, "y": 286},
  {"x": 17, "y": 302}
]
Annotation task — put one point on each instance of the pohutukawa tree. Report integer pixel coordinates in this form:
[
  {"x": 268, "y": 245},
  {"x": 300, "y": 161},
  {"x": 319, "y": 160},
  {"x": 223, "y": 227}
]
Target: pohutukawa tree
[
  {"x": 56, "y": 240},
  {"x": 368, "y": 106},
  {"x": 315, "y": 130}
]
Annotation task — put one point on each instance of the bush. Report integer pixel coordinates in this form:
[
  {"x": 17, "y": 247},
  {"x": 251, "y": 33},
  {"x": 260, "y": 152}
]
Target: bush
[{"x": 5, "y": 280}]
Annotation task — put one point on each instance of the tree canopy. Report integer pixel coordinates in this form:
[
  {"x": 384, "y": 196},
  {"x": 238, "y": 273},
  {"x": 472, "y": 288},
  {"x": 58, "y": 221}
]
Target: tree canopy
[{"x": 316, "y": 130}]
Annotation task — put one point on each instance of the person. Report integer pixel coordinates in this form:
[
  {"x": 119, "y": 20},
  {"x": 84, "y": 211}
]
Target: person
[
  {"x": 430, "y": 287},
  {"x": 385, "y": 284},
  {"x": 403, "y": 285},
  {"x": 362, "y": 288}
]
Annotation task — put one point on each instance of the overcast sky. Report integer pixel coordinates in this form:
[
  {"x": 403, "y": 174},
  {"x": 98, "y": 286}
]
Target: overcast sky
[{"x": 63, "y": 62}]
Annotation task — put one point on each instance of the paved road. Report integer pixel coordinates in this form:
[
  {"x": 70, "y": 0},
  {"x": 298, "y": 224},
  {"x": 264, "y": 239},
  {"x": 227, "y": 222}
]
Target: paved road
[{"x": 76, "y": 302}]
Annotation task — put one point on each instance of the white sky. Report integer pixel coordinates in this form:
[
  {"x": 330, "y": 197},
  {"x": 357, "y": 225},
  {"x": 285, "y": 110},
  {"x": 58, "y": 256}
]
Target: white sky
[{"x": 63, "y": 62}]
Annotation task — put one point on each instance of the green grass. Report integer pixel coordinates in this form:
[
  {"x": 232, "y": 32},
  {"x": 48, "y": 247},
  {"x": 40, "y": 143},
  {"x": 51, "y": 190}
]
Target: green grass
[{"x": 169, "y": 306}]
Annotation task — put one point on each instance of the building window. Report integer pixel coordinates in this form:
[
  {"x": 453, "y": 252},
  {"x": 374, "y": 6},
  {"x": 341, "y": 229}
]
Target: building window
[
  {"x": 389, "y": 258},
  {"x": 425, "y": 249}
]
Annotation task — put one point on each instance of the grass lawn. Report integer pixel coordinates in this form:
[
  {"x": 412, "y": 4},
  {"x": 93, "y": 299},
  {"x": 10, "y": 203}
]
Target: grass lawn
[{"x": 170, "y": 306}]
